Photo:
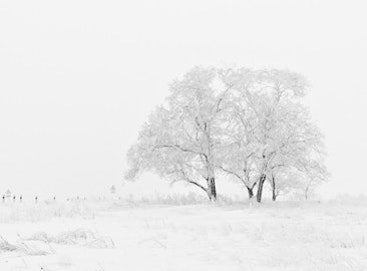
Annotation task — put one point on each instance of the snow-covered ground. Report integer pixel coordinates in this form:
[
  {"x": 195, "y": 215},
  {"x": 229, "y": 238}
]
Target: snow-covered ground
[{"x": 107, "y": 235}]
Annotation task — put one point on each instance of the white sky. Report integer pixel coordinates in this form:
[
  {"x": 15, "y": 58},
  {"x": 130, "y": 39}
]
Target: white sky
[{"x": 79, "y": 77}]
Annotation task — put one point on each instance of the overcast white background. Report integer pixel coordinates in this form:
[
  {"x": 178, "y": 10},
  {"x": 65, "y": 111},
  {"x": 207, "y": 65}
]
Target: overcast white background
[{"x": 78, "y": 78}]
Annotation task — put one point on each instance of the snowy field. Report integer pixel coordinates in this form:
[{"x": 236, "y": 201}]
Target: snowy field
[{"x": 112, "y": 235}]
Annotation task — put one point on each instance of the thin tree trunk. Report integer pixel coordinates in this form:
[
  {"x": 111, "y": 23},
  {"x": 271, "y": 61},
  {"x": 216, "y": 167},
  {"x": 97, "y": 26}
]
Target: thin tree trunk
[
  {"x": 306, "y": 193},
  {"x": 250, "y": 191},
  {"x": 211, "y": 190},
  {"x": 260, "y": 187},
  {"x": 274, "y": 196}
]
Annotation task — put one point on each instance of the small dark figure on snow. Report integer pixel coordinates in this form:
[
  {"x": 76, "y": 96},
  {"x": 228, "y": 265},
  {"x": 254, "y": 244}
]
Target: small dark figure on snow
[
  {"x": 20, "y": 198},
  {"x": 36, "y": 199},
  {"x": 3, "y": 198}
]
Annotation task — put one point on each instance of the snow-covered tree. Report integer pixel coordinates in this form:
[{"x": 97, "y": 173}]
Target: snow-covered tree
[
  {"x": 250, "y": 124},
  {"x": 181, "y": 140},
  {"x": 314, "y": 172},
  {"x": 271, "y": 127},
  {"x": 239, "y": 146}
]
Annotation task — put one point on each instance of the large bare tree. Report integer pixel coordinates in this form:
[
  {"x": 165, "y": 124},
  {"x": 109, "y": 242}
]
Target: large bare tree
[
  {"x": 271, "y": 128},
  {"x": 249, "y": 124},
  {"x": 180, "y": 141}
]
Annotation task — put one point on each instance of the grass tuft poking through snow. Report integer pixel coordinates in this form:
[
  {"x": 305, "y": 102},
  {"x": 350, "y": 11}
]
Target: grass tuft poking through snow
[{"x": 82, "y": 237}]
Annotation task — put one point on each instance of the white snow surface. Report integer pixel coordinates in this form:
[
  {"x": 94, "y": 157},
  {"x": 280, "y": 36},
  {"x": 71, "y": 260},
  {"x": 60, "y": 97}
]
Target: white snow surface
[{"x": 115, "y": 235}]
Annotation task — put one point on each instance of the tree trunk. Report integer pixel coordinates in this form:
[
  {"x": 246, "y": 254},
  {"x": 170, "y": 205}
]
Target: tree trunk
[
  {"x": 250, "y": 191},
  {"x": 211, "y": 190},
  {"x": 274, "y": 195},
  {"x": 260, "y": 187},
  {"x": 306, "y": 193}
]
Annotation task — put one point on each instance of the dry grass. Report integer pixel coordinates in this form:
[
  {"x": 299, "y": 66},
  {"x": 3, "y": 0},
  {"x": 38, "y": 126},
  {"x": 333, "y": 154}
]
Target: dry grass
[{"x": 81, "y": 237}]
